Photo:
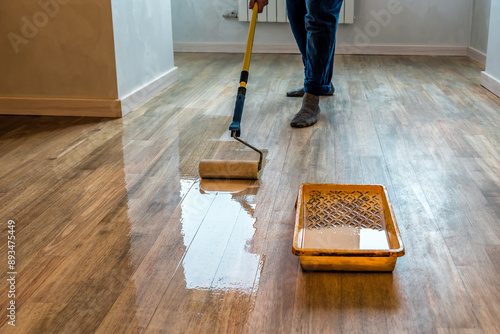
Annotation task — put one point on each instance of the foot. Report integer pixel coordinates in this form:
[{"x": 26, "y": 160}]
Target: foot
[
  {"x": 299, "y": 92},
  {"x": 309, "y": 113}
]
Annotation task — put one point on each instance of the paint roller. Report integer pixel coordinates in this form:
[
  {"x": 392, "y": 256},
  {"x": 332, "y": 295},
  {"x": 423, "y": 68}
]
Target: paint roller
[{"x": 237, "y": 169}]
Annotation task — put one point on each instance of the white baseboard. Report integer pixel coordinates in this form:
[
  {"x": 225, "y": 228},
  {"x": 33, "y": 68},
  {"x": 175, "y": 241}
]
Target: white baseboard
[
  {"x": 146, "y": 92},
  {"x": 490, "y": 83},
  {"x": 341, "y": 49},
  {"x": 60, "y": 107},
  {"x": 401, "y": 50},
  {"x": 476, "y": 55}
]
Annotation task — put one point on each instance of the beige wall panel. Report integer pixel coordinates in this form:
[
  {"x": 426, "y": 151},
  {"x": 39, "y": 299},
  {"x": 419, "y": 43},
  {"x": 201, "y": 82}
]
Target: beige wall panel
[{"x": 57, "y": 48}]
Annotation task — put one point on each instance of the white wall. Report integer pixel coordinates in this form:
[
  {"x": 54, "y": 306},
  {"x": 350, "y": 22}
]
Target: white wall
[
  {"x": 143, "y": 42},
  {"x": 490, "y": 78},
  {"x": 480, "y": 25},
  {"x": 422, "y": 22},
  {"x": 493, "y": 60}
]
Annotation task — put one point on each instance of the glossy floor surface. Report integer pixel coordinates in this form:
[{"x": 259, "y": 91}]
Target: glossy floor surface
[{"x": 116, "y": 234}]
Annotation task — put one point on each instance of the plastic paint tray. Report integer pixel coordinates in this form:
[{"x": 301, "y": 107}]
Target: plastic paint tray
[{"x": 345, "y": 228}]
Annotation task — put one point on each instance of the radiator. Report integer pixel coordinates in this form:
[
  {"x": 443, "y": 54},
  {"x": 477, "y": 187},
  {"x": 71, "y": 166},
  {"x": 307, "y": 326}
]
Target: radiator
[{"x": 275, "y": 11}]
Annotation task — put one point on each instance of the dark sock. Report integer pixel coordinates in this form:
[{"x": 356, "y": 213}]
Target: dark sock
[{"x": 309, "y": 113}]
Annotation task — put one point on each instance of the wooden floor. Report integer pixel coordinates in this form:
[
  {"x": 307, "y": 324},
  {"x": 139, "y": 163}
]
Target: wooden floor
[{"x": 116, "y": 234}]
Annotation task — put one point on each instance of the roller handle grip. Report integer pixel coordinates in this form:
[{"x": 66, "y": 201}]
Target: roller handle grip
[{"x": 235, "y": 126}]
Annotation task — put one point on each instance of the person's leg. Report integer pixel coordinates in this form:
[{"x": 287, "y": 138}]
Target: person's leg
[
  {"x": 296, "y": 11},
  {"x": 307, "y": 18},
  {"x": 321, "y": 23}
]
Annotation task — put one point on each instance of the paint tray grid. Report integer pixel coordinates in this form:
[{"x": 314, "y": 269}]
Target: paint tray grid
[{"x": 339, "y": 208}]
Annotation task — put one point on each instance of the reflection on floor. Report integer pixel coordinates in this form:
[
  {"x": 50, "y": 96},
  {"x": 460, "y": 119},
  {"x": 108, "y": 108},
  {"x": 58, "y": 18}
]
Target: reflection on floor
[{"x": 115, "y": 232}]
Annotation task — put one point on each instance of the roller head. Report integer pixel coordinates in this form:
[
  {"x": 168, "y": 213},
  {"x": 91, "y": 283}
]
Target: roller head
[{"x": 229, "y": 169}]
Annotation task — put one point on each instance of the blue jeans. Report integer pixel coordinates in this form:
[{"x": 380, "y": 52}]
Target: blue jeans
[{"x": 314, "y": 26}]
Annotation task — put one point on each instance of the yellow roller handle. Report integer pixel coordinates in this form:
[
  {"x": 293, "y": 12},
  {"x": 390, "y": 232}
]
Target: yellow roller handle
[
  {"x": 251, "y": 34},
  {"x": 235, "y": 126}
]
